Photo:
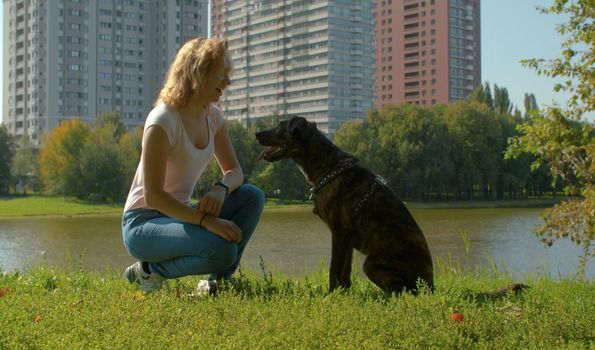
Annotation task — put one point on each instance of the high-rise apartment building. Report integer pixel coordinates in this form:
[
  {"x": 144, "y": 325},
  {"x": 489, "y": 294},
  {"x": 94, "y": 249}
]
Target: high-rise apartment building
[
  {"x": 428, "y": 51},
  {"x": 313, "y": 58},
  {"x": 68, "y": 59}
]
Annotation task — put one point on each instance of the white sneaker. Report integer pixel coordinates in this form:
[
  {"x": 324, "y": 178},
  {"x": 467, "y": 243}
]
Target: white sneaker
[
  {"x": 206, "y": 288},
  {"x": 149, "y": 282}
]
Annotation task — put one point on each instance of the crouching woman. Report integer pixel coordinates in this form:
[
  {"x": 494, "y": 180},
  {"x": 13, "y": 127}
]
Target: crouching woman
[{"x": 167, "y": 235}]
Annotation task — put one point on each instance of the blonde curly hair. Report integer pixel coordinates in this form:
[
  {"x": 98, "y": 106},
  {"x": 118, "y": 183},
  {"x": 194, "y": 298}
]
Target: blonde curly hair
[{"x": 193, "y": 63}]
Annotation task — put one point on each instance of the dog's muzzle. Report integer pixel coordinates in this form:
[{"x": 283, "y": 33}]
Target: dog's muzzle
[{"x": 271, "y": 153}]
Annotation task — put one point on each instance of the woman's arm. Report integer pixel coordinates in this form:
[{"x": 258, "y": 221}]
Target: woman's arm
[
  {"x": 233, "y": 176},
  {"x": 154, "y": 160}
]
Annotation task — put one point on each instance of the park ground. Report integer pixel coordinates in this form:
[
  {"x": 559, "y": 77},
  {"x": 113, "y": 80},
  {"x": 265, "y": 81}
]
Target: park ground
[
  {"x": 35, "y": 205},
  {"x": 45, "y": 308}
]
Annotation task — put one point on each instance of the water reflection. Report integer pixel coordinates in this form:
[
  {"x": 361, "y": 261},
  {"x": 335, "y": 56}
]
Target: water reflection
[{"x": 296, "y": 242}]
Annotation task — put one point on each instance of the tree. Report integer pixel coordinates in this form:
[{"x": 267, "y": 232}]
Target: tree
[
  {"x": 24, "y": 163},
  {"x": 419, "y": 150},
  {"x": 476, "y": 135},
  {"x": 576, "y": 61},
  {"x": 488, "y": 93},
  {"x": 103, "y": 178},
  {"x": 279, "y": 179},
  {"x": 59, "y": 159},
  {"x": 92, "y": 162},
  {"x": 130, "y": 147},
  {"x": 560, "y": 139},
  {"x": 283, "y": 180},
  {"x": 7, "y": 149},
  {"x": 350, "y": 137},
  {"x": 242, "y": 141},
  {"x": 210, "y": 175},
  {"x": 530, "y": 103},
  {"x": 502, "y": 102},
  {"x": 246, "y": 148},
  {"x": 114, "y": 119},
  {"x": 482, "y": 94}
]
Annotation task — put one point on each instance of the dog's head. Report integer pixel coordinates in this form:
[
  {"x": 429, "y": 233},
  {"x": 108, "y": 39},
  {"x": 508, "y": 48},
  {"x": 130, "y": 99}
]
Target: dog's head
[{"x": 288, "y": 140}]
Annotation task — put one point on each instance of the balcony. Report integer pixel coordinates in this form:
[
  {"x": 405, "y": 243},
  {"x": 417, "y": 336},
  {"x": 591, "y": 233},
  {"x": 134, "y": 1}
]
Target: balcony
[
  {"x": 411, "y": 27},
  {"x": 411, "y": 37}
]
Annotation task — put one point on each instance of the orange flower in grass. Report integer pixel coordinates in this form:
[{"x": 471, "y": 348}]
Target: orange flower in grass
[{"x": 4, "y": 291}]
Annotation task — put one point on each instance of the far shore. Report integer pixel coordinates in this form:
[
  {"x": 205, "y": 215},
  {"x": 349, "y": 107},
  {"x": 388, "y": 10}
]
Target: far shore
[{"x": 36, "y": 205}]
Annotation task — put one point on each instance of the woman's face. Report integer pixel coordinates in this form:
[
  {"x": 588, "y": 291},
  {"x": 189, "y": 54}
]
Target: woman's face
[{"x": 216, "y": 82}]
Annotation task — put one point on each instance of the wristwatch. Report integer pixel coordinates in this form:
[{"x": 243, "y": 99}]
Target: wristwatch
[{"x": 219, "y": 183}]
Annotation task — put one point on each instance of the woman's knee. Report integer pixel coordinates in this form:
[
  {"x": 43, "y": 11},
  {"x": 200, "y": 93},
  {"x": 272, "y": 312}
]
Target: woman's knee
[
  {"x": 226, "y": 255},
  {"x": 251, "y": 193}
]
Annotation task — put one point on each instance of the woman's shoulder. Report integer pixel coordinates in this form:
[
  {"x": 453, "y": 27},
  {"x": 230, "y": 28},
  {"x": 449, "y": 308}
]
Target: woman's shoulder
[
  {"x": 162, "y": 110},
  {"x": 164, "y": 116}
]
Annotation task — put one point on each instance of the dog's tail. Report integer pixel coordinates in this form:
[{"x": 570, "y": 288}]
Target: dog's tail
[{"x": 514, "y": 288}]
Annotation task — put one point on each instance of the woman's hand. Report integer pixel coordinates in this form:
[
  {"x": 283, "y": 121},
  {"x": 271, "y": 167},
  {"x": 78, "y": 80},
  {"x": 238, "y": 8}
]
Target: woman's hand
[
  {"x": 212, "y": 201},
  {"x": 228, "y": 230}
]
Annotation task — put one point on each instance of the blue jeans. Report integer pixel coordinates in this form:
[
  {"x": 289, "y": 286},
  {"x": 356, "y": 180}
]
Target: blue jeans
[{"x": 174, "y": 248}]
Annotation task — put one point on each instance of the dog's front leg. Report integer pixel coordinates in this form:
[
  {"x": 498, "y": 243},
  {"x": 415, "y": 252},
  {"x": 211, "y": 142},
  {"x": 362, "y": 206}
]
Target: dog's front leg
[{"x": 342, "y": 255}]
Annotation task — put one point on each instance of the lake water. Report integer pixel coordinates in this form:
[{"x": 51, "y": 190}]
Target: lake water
[{"x": 295, "y": 242}]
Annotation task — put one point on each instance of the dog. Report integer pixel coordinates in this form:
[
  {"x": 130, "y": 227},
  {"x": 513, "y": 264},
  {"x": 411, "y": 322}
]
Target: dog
[{"x": 360, "y": 210}]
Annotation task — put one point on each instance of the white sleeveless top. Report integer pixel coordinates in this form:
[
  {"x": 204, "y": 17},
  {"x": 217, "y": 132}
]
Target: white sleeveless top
[{"x": 185, "y": 162}]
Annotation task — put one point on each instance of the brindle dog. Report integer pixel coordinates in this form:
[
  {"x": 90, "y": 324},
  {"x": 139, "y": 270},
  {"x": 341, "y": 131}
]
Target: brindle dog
[{"x": 358, "y": 207}]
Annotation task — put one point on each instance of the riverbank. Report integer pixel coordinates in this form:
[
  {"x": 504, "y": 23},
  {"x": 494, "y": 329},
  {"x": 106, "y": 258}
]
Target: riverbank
[
  {"x": 510, "y": 203},
  {"x": 46, "y": 308},
  {"x": 35, "y": 205}
]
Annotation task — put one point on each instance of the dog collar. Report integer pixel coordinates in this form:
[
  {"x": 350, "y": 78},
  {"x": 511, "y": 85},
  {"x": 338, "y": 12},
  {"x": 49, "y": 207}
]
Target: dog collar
[{"x": 330, "y": 176}]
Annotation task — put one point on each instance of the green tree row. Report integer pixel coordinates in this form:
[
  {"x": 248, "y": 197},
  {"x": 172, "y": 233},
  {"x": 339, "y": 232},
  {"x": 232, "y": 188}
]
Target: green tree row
[
  {"x": 440, "y": 152},
  {"x": 90, "y": 161},
  {"x": 97, "y": 161},
  {"x": 451, "y": 151}
]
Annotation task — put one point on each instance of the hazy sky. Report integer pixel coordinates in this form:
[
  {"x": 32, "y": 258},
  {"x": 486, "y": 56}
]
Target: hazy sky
[{"x": 511, "y": 30}]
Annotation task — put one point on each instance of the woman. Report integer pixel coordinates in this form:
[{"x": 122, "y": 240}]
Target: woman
[{"x": 169, "y": 237}]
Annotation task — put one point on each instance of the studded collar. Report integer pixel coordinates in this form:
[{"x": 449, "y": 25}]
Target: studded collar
[{"x": 330, "y": 176}]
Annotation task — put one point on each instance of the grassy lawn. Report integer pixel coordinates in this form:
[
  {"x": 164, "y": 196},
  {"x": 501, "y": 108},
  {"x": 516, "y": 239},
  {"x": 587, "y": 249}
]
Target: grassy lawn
[
  {"x": 48, "y": 309},
  {"x": 40, "y": 205},
  {"x": 35, "y": 205},
  {"x": 510, "y": 203}
]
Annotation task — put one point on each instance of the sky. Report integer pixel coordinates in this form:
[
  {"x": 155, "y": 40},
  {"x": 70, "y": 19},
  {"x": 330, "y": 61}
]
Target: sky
[{"x": 511, "y": 30}]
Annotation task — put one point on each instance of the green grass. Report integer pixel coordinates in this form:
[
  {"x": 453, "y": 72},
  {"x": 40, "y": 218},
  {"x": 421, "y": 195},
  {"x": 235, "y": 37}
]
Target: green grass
[
  {"x": 274, "y": 203},
  {"x": 35, "y": 205},
  {"x": 507, "y": 203},
  {"x": 47, "y": 309}
]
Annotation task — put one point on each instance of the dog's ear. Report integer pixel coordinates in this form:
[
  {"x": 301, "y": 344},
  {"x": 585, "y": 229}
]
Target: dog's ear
[{"x": 297, "y": 125}]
